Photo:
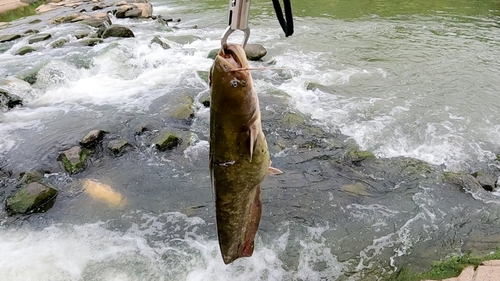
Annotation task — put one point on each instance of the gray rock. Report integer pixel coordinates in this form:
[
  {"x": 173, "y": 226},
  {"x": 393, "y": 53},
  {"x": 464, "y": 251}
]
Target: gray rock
[
  {"x": 184, "y": 108},
  {"x": 122, "y": 9},
  {"x": 31, "y": 176},
  {"x": 485, "y": 180},
  {"x": 81, "y": 34},
  {"x": 160, "y": 42},
  {"x": 59, "y": 43},
  {"x": 35, "y": 21},
  {"x": 39, "y": 37},
  {"x": 90, "y": 41},
  {"x": 34, "y": 197},
  {"x": 466, "y": 182},
  {"x": 184, "y": 39},
  {"x": 166, "y": 141},
  {"x": 213, "y": 54},
  {"x": 92, "y": 138},
  {"x": 139, "y": 129},
  {"x": 32, "y": 31},
  {"x": 9, "y": 37},
  {"x": 134, "y": 13},
  {"x": 73, "y": 159},
  {"x": 118, "y": 147},
  {"x": 116, "y": 30},
  {"x": 8, "y": 100},
  {"x": 95, "y": 22},
  {"x": 255, "y": 51}
]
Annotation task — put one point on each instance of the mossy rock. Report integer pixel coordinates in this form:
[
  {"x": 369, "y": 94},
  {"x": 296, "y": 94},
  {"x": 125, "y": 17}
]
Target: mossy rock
[
  {"x": 356, "y": 155},
  {"x": 465, "y": 181},
  {"x": 59, "y": 43},
  {"x": 74, "y": 159},
  {"x": 25, "y": 50},
  {"x": 185, "y": 109},
  {"x": 166, "y": 140},
  {"x": 33, "y": 197},
  {"x": 39, "y": 37},
  {"x": 118, "y": 147},
  {"x": 292, "y": 119},
  {"x": 31, "y": 176}
]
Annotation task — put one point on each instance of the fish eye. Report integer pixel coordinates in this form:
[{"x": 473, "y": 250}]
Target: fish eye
[{"x": 234, "y": 83}]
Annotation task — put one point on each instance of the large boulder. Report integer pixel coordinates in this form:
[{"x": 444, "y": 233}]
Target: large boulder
[
  {"x": 34, "y": 197},
  {"x": 116, "y": 30}
]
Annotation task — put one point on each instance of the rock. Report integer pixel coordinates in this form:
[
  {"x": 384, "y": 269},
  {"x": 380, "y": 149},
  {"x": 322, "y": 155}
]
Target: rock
[
  {"x": 32, "y": 31},
  {"x": 35, "y": 21},
  {"x": 356, "y": 189},
  {"x": 184, "y": 39},
  {"x": 93, "y": 137},
  {"x": 39, "y": 37},
  {"x": 59, "y": 43},
  {"x": 252, "y": 51},
  {"x": 122, "y": 9},
  {"x": 203, "y": 75},
  {"x": 166, "y": 141},
  {"x": 31, "y": 176},
  {"x": 139, "y": 129},
  {"x": 121, "y": 3},
  {"x": 8, "y": 100},
  {"x": 356, "y": 155},
  {"x": 99, "y": 6},
  {"x": 160, "y": 42},
  {"x": 46, "y": 8},
  {"x": 292, "y": 119},
  {"x": 255, "y": 51},
  {"x": 97, "y": 20},
  {"x": 485, "y": 180},
  {"x": 213, "y": 54},
  {"x": 466, "y": 182},
  {"x": 90, "y": 41},
  {"x": 81, "y": 34},
  {"x": 184, "y": 109},
  {"x": 34, "y": 197},
  {"x": 134, "y": 13},
  {"x": 118, "y": 147},
  {"x": 3, "y": 24},
  {"x": 9, "y": 37},
  {"x": 145, "y": 8},
  {"x": 116, "y": 30},
  {"x": 73, "y": 159}
]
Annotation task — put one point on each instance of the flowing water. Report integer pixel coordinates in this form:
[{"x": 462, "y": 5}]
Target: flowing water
[{"x": 400, "y": 78}]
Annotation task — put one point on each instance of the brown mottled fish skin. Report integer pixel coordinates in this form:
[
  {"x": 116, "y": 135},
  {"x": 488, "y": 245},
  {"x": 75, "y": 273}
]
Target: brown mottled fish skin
[{"x": 239, "y": 157}]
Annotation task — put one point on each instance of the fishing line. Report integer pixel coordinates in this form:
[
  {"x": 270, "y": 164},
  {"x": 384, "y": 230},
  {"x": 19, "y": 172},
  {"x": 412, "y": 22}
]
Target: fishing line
[{"x": 286, "y": 22}]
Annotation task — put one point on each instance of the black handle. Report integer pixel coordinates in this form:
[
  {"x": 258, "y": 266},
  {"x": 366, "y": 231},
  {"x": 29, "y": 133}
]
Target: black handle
[{"x": 286, "y": 25}]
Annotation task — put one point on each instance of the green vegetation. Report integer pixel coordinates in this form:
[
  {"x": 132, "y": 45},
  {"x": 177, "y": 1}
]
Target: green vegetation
[
  {"x": 20, "y": 12},
  {"x": 451, "y": 267}
]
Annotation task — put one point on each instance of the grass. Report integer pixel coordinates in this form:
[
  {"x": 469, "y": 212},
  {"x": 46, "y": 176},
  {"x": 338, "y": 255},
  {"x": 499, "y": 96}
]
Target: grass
[
  {"x": 451, "y": 267},
  {"x": 20, "y": 12}
]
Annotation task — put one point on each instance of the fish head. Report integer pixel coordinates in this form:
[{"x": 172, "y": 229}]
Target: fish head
[{"x": 229, "y": 75}]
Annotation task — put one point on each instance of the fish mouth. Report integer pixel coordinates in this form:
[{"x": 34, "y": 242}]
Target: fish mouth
[{"x": 233, "y": 56}]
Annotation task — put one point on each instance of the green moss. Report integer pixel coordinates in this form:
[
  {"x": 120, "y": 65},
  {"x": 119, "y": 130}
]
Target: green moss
[
  {"x": 451, "y": 267},
  {"x": 73, "y": 168},
  {"x": 166, "y": 141},
  {"x": 356, "y": 155},
  {"x": 20, "y": 12}
]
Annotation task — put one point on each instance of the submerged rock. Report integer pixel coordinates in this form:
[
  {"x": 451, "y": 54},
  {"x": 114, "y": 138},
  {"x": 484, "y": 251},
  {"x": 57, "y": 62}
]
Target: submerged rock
[
  {"x": 485, "y": 180},
  {"x": 73, "y": 159},
  {"x": 34, "y": 197},
  {"x": 91, "y": 41},
  {"x": 184, "y": 109},
  {"x": 118, "y": 147},
  {"x": 166, "y": 141},
  {"x": 356, "y": 155},
  {"x": 160, "y": 42},
  {"x": 59, "y": 43},
  {"x": 116, "y": 30},
  {"x": 465, "y": 181},
  {"x": 93, "y": 137},
  {"x": 8, "y": 100},
  {"x": 25, "y": 50},
  {"x": 31, "y": 176}
]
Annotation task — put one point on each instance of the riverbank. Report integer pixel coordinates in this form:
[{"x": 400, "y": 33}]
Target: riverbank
[{"x": 9, "y": 5}]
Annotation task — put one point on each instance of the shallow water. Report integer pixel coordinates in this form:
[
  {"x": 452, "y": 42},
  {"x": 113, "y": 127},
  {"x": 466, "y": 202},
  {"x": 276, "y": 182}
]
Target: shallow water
[{"x": 399, "y": 78}]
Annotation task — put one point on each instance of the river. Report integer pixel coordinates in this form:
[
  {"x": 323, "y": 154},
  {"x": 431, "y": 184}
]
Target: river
[{"x": 416, "y": 79}]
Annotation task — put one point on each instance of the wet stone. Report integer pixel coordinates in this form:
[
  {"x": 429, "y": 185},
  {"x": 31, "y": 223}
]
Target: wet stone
[
  {"x": 81, "y": 34},
  {"x": 25, "y": 50},
  {"x": 255, "y": 52},
  {"x": 90, "y": 41},
  {"x": 160, "y": 42},
  {"x": 59, "y": 43},
  {"x": 118, "y": 147},
  {"x": 134, "y": 13},
  {"x": 39, "y": 37},
  {"x": 8, "y": 100},
  {"x": 485, "y": 180},
  {"x": 34, "y": 197},
  {"x": 73, "y": 159},
  {"x": 184, "y": 109},
  {"x": 139, "y": 129},
  {"x": 9, "y": 37},
  {"x": 92, "y": 138},
  {"x": 358, "y": 189},
  {"x": 166, "y": 141},
  {"x": 116, "y": 30}
]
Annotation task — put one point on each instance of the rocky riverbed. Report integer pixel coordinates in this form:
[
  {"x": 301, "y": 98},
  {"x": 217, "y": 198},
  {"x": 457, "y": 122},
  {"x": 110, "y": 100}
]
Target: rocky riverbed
[{"x": 388, "y": 213}]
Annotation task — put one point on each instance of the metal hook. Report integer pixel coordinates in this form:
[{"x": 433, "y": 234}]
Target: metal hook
[{"x": 238, "y": 19}]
